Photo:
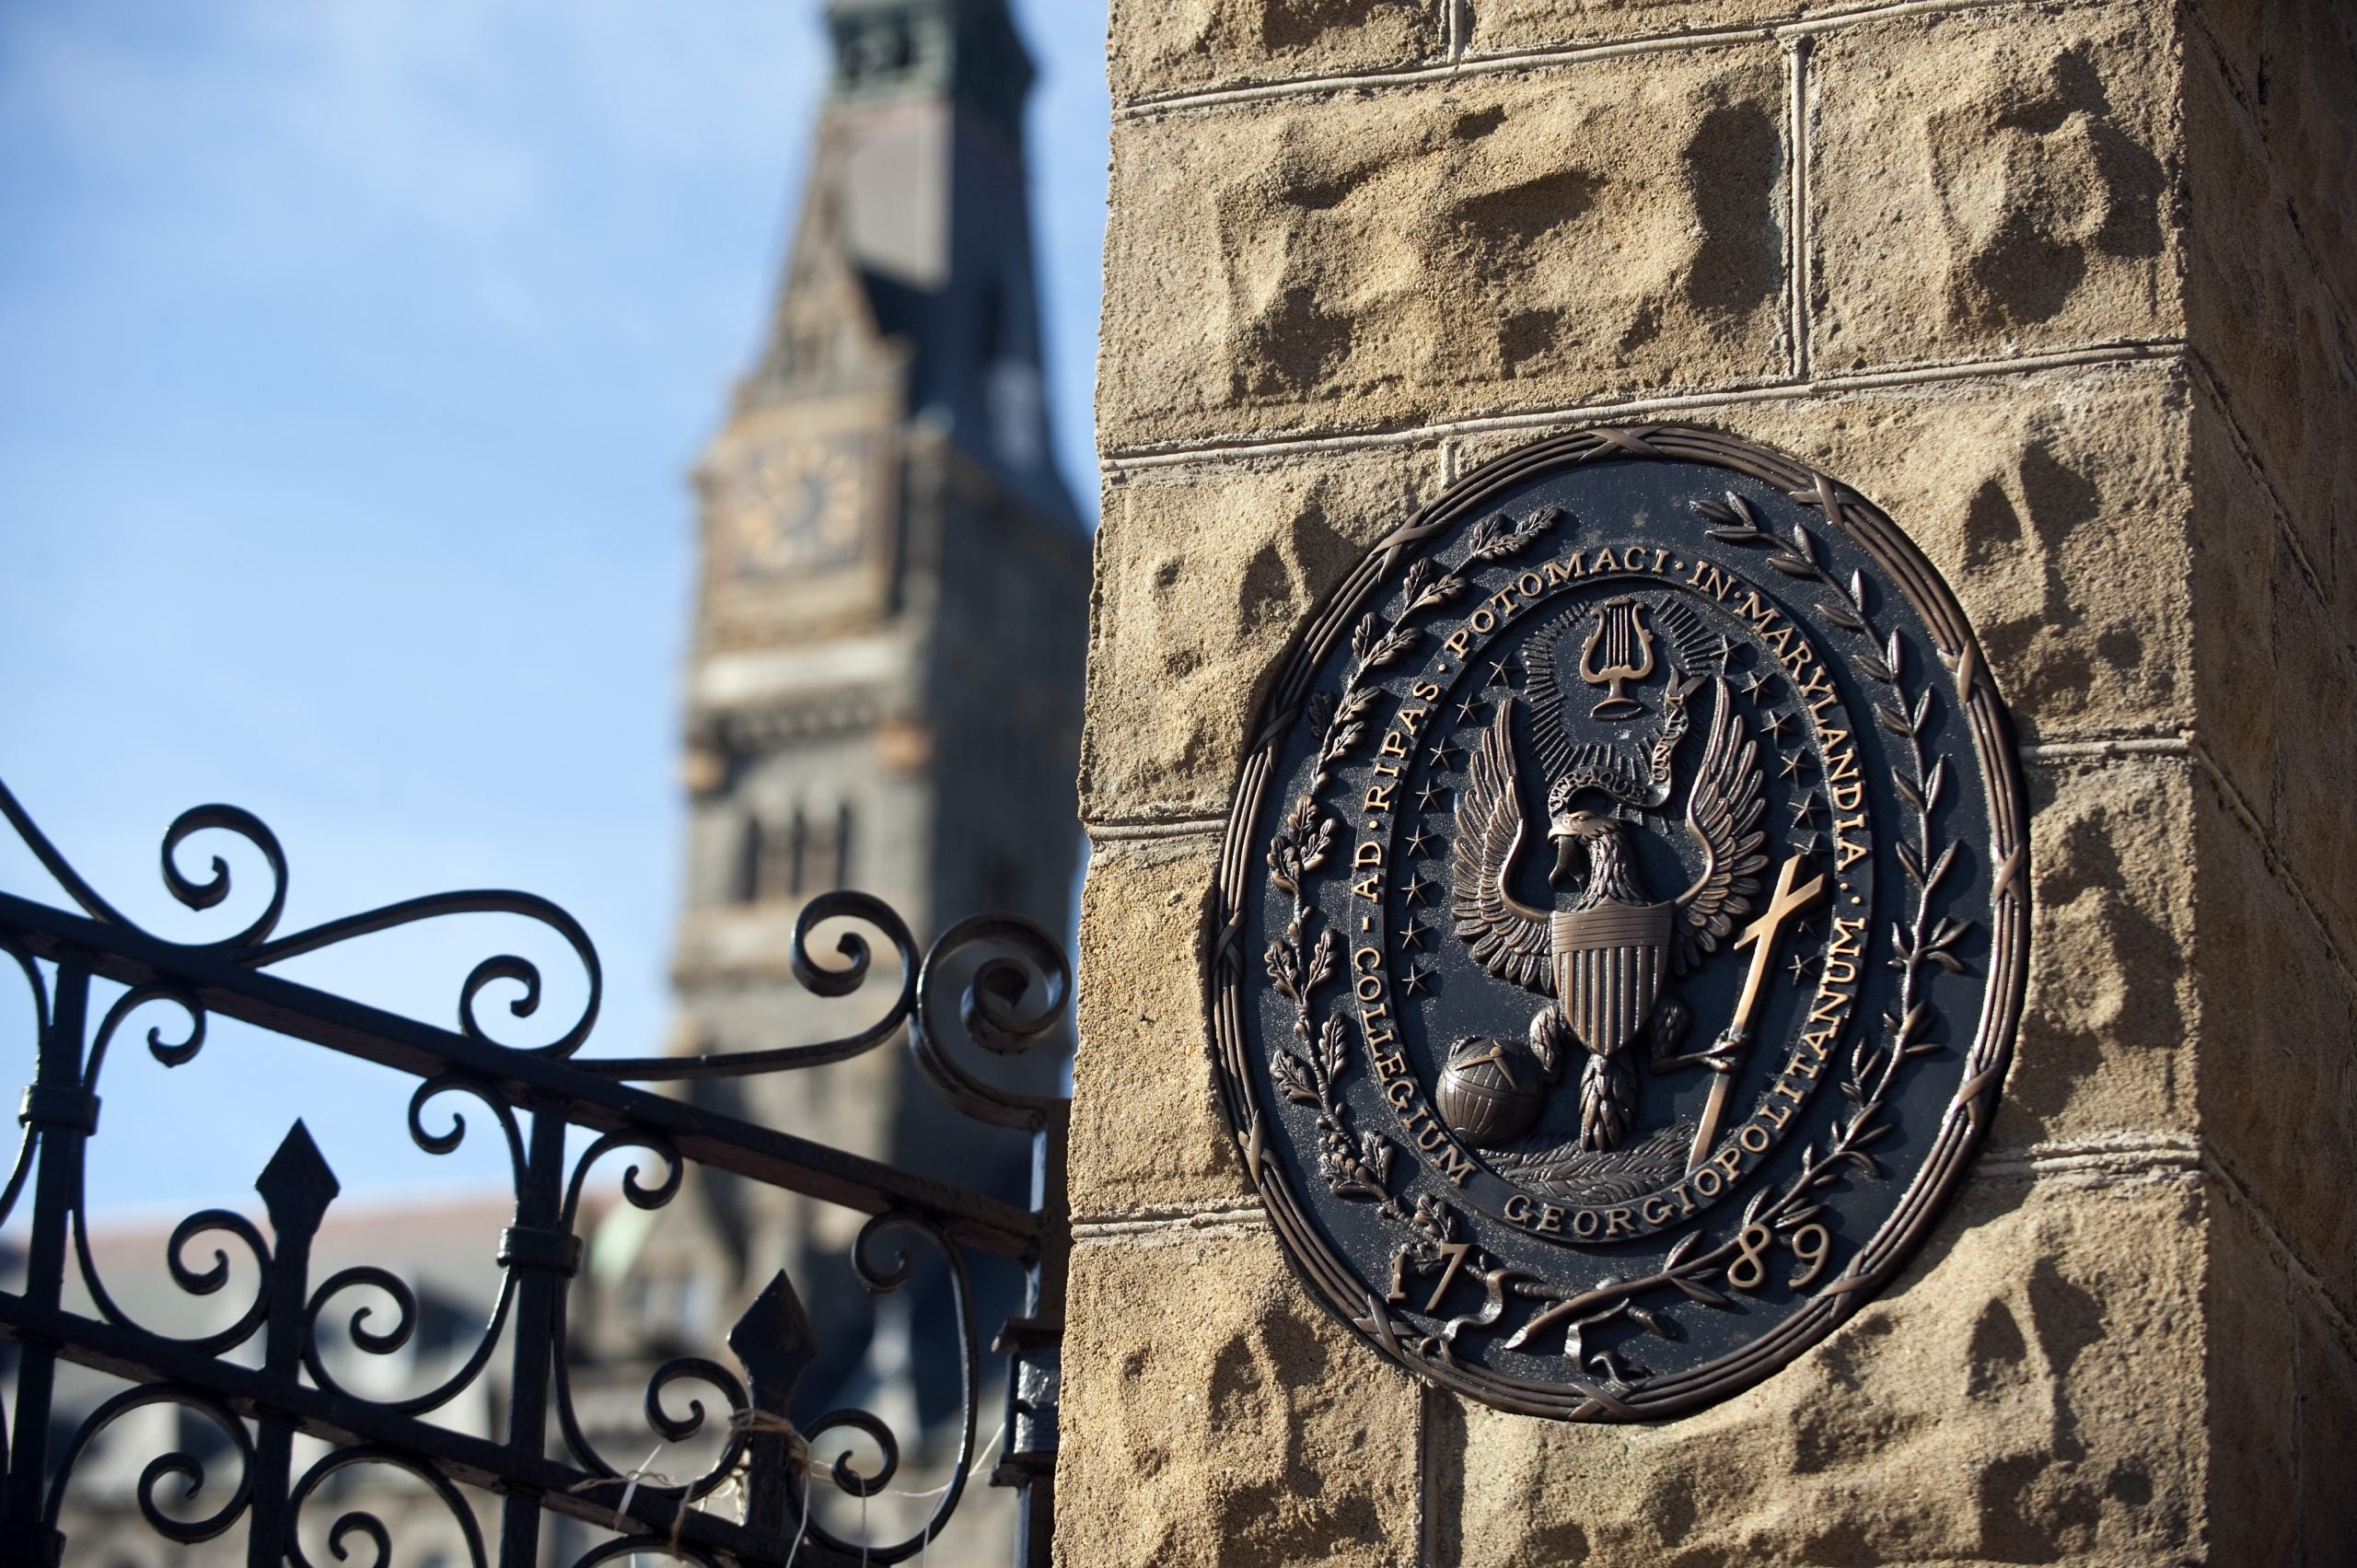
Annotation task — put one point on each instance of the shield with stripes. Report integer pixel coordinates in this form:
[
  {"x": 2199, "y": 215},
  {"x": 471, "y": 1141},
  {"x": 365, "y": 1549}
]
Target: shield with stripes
[{"x": 1609, "y": 964}]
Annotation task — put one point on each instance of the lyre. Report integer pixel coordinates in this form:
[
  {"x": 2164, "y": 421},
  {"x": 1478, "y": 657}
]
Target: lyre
[{"x": 1619, "y": 649}]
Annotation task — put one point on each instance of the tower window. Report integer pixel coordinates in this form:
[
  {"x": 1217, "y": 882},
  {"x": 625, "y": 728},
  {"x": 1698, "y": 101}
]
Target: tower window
[
  {"x": 750, "y": 847},
  {"x": 805, "y": 854},
  {"x": 816, "y": 871},
  {"x": 773, "y": 858},
  {"x": 826, "y": 861}
]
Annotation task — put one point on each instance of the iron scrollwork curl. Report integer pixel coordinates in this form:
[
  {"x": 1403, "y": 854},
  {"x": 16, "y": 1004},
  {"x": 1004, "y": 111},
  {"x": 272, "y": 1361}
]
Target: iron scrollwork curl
[
  {"x": 357, "y": 1521},
  {"x": 670, "y": 1428},
  {"x": 389, "y": 1341},
  {"x": 173, "y": 1462},
  {"x": 215, "y": 888},
  {"x": 445, "y": 1142},
  {"x": 21, "y": 1164},
  {"x": 675, "y": 1172},
  {"x": 828, "y": 981},
  {"x": 1026, "y": 958},
  {"x": 193, "y": 1282},
  {"x": 177, "y": 1054},
  {"x": 195, "y": 895},
  {"x": 499, "y": 967},
  {"x": 1004, "y": 977},
  {"x": 252, "y": 945},
  {"x": 842, "y": 1472}
]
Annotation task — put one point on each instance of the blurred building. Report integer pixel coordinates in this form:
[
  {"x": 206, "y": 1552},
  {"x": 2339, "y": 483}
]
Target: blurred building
[
  {"x": 883, "y": 687},
  {"x": 882, "y": 694}
]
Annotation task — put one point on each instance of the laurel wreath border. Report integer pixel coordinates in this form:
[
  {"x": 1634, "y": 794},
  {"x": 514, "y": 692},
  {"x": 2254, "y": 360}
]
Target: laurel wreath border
[{"x": 1359, "y": 1166}]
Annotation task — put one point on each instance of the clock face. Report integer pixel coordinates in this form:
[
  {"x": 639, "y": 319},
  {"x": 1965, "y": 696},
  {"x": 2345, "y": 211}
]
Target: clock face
[{"x": 796, "y": 504}]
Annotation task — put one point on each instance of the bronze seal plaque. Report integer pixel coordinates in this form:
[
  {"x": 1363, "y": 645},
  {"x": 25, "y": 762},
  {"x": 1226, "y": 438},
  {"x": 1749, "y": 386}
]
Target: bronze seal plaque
[{"x": 1620, "y": 929}]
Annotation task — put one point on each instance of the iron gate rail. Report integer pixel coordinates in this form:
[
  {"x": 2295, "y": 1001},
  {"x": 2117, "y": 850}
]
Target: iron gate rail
[{"x": 535, "y": 1095}]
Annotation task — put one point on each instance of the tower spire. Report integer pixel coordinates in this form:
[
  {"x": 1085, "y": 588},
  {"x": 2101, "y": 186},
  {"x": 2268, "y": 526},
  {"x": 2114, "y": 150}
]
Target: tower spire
[
  {"x": 911, "y": 257},
  {"x": 884, "y": 689}
]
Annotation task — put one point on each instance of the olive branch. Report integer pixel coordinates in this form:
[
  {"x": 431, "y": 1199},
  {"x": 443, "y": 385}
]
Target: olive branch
[
  {"x": 1920, "y": 940},
  {"x": 1358, "y": 1164}
]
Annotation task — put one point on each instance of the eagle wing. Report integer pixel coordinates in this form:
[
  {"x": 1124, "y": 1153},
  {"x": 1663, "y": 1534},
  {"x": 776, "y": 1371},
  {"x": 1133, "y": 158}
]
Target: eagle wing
[
  {"x": 1509, "y": 938},
  {"x": 1723, "y": 813}
]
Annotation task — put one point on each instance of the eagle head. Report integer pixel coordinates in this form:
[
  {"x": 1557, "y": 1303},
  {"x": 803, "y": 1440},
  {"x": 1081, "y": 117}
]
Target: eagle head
[
  {"x": 1593, "y": 837},
  {"x": 1577, "y": 836}
]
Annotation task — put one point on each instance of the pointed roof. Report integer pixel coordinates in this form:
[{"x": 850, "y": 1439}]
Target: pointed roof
[
  {"x": 826, "y": 330},
  {"x": 911, "y": 258}
]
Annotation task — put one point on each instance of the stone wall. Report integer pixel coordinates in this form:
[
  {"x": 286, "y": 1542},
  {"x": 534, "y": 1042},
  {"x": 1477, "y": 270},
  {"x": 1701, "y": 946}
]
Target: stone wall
[{"x": 2067, "y": 289}]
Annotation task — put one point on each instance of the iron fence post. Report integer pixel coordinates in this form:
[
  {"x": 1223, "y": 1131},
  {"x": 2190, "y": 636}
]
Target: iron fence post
[
  {"x": 774, "y": 1345},
  {"x": 61, "y": 1114},
  {"x": 296, "y": 1187},
  {"x": 539, "y": 1210},
  {"x": 1034, "y": 1346}
]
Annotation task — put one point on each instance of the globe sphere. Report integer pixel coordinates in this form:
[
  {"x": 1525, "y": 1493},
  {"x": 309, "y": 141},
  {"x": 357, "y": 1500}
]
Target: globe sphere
[{"x": 1491, "y": 1092}]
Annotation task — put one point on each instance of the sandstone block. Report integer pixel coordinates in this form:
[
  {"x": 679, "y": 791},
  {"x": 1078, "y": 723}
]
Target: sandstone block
[
  {"x": 2314, "y": 815},
  {"x": 2267, "y": 324},
  {"x": 1987, "y": 183},
  {"x": 2326, "y": 1420},
  {"x": 2108, "y": 1036},
  {"x": 1169, "y": 46},
  {"x": 1204, "y": 576},
  {"x": 1212, "y": 1415},
  {"x": 2283, "y": 1385},
  {"x": 2054, "y": 505},
  {"x": 2278, "y": 1094},
  {"x": 2030, "y": 1391},
  {"x": 2292, "y": 66},
  {"x": 1500, "y": 26},
  {"x": 2234, "y": 551},
  {"x": 1453, "y": 248},
  {"x": 2341, "y": 574},
  {"x": 2253, "y": 1322},
  {"x": 1147, "y": 1131}
]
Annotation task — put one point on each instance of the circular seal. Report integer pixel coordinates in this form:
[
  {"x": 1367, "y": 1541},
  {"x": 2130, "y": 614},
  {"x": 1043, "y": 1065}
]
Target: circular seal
[{"x": 1621, "y": 925}]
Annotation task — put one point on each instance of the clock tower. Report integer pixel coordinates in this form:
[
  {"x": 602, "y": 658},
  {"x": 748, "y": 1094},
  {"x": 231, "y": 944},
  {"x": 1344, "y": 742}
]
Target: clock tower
[{"x": 883, "y": 687}]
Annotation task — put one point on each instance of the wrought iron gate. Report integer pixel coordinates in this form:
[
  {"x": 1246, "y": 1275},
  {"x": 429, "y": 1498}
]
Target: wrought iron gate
[{"x": 262, "y": 1380}]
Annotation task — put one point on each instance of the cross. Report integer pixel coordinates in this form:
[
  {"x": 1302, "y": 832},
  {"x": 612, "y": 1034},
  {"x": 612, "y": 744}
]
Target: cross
[{"x": 1760, "y": 936}]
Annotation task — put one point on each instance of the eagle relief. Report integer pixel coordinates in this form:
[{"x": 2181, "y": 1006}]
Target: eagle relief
[{"x": 1622, "y": 923}]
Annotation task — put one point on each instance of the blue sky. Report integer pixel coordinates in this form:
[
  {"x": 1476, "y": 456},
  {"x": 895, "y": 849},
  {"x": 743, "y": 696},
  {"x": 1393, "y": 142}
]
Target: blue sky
[{"x": 351, "y": 357}]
